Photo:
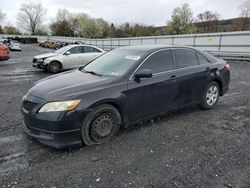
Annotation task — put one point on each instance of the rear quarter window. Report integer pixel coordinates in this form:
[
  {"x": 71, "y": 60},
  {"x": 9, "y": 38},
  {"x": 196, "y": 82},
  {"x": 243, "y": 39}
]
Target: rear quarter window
[{"x": 202, "y": 59}]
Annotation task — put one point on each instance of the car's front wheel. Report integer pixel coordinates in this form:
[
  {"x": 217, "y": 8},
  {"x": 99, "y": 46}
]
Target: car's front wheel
[
  {"x": 210, "y": 96},
  {"x": 101, "y": 125},
  {"x": 54, "y": 67}
]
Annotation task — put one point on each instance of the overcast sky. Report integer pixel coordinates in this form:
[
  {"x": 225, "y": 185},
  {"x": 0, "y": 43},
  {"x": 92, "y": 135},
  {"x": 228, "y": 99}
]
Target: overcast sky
[{"x": 149, "y": 12}]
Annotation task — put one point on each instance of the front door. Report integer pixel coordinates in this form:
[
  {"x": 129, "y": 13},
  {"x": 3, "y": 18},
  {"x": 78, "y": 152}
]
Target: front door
[
  {"x": 150, "y": 96},
  {"x": 74, "y": 59}
]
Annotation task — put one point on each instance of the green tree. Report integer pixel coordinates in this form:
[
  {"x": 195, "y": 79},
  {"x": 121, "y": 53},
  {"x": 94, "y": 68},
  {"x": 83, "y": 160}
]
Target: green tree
[
  {"x": 1, "y": 30},
  {"x": 181, "y": 21},
  {"x": 11, "y": 30},
  {"x": 102, "y": 28},
  {"x": 2, "y": 15},
  {"x": 63, "y": 25},
  {"x": 113, "y": 33},
  {"x": 61, "y": 28}
]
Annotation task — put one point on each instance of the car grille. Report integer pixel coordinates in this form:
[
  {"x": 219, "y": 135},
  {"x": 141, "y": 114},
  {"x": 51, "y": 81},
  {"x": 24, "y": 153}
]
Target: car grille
[
  {"x": 28, "y": 105},
  {"x": 34, "y": 60}
]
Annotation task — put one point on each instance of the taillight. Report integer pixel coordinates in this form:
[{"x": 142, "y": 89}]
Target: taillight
[{"x": 227, "y": 66}]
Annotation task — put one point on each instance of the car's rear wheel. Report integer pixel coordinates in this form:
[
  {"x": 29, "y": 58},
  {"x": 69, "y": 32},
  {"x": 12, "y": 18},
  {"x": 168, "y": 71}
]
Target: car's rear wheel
[
  {"x": 101, "y": 125},
  {"x": 54, "y": 67},
  {"x": 210, "y": 96}
]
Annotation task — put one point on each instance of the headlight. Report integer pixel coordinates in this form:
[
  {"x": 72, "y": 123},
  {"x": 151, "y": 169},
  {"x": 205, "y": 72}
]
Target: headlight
[
  {"x": 40, "y": 60},
  {"x": 46, "y": 60},
  {"x": 59, "y": 106}
]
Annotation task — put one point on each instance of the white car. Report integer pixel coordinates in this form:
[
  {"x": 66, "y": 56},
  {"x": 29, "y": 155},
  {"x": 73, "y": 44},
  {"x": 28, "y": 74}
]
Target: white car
[
  {"x": 15, "y": 46},
  {"x": 68, "y": 57}
]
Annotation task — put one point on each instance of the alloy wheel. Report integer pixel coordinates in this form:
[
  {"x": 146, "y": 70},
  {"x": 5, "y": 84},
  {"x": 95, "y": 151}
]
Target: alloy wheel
[{"x": 212, "y": 95}]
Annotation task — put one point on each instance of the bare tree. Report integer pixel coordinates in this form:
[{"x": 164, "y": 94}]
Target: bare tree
[
  {"x": 244, "y": 9},
  {"x": 31, "y": 17},
  {"x": 209, "y": 20},
  {"x": 63, "y": 14},
  {"x": 2, "y": 15}
]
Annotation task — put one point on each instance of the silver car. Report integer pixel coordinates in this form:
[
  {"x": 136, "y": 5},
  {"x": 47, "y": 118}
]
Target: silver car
[
  {"x": 68, "y": 57},
  {"x": 14, "y": 46}
]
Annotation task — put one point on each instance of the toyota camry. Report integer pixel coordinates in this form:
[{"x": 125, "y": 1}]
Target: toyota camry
[{"x": 121, "y": 88}]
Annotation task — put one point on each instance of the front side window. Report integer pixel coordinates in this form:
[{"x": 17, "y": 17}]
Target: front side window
[
  {"x": 75, "y": 50},
  {"x": 185, "y": 58},
  {"x": 159, "y": 62}
]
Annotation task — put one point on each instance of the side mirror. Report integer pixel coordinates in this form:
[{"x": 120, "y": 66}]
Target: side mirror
[
  {"x": 67, "y": 53},
  {"x": 144, "y": 73}
]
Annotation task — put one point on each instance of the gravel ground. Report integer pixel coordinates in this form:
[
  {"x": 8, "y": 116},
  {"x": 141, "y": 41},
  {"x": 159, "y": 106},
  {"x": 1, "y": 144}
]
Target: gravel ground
[{"x": 190, "y": 148}]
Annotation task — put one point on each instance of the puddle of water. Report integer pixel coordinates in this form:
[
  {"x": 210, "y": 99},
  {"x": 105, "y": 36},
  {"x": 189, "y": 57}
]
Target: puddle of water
[{"x": 9, "y": 139}]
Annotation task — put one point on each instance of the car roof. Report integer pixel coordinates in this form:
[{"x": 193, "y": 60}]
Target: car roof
[
  {"x": 74, "y": 45},
  {"x": 148, "y": 48}
]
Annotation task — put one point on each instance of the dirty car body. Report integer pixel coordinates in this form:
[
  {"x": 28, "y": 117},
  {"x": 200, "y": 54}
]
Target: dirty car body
[{"x": 144, "y": 88}]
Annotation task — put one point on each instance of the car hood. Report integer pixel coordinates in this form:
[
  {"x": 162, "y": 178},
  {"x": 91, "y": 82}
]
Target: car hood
[
  {"x": 42, "y": 56},
  {"x": 68, "y": 84}
]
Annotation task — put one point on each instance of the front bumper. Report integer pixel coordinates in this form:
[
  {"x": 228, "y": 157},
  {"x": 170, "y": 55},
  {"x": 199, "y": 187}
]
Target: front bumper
[
  {"x": 4, "y": 57},
  {"x": 38, "y": 65},
  {"x": 61, "y": 139},
  {"x": 56, "y": 129}
]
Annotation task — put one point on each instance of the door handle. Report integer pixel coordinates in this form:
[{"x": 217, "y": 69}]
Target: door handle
[
  {"x": 173, "y": 78},
  {"x": 208, "y": 69}
]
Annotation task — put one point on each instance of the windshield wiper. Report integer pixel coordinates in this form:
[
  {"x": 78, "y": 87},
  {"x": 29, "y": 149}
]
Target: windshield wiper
[{"x": 92, "y": 72}]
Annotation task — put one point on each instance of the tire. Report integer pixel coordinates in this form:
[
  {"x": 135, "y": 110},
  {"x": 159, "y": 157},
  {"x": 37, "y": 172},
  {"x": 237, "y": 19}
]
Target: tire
[
  {"x": 100, "y": 125},
  {"x": 54, "y": 67},
  {"x": 210, "y": 96}
]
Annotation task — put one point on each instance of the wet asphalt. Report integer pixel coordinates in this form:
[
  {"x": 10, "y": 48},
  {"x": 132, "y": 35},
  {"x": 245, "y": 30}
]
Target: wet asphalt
[{"x": 189, "y": 148}]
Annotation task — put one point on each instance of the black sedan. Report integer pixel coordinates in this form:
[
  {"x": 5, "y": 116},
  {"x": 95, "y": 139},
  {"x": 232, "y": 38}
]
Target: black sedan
[{"x": 120, "y": 88}]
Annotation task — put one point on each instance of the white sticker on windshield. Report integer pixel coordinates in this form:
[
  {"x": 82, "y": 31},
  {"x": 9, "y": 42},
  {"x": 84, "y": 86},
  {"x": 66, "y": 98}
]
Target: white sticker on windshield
[
  {"x": 132, "y": 57},
  {"x": 114, "y": 74}
]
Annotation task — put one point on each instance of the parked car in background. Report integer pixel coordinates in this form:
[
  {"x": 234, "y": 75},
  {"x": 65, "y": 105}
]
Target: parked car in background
[
  {"x": 44, "y": 44},
  {"x": 68, "y": 57},
  {"x": 51, "y": 45},
  {"x": 14, "y": 46},
  {"x": 4, "y": 52},
  {"x": 122, "y": 87},
  {"x": 3, "y": 40}
]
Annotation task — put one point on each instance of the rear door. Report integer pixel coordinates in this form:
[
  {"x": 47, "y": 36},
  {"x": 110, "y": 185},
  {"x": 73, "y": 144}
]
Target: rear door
[
  {"x": 153, "y": 95},
  {"x": 90, "y": 53},
  {"x": 192, "y": 73}
]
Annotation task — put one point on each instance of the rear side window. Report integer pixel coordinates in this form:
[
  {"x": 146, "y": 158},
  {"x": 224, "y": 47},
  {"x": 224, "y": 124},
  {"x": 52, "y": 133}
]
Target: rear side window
[
  {"x": 202, "y": 60},
  {"x": 159, "y": 62},
  {"x": 88, "y": 49},
  {"x": 185, "y": 58}
]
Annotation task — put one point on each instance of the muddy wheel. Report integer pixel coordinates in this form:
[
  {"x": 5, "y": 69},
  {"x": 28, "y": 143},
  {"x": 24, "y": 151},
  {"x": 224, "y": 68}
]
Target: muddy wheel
[{"x": 101, "y": 125}]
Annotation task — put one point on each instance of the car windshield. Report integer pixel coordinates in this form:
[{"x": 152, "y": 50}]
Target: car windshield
[
  {"x": 62, "y": 50},
  {"x": 114, "y": 63}
]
